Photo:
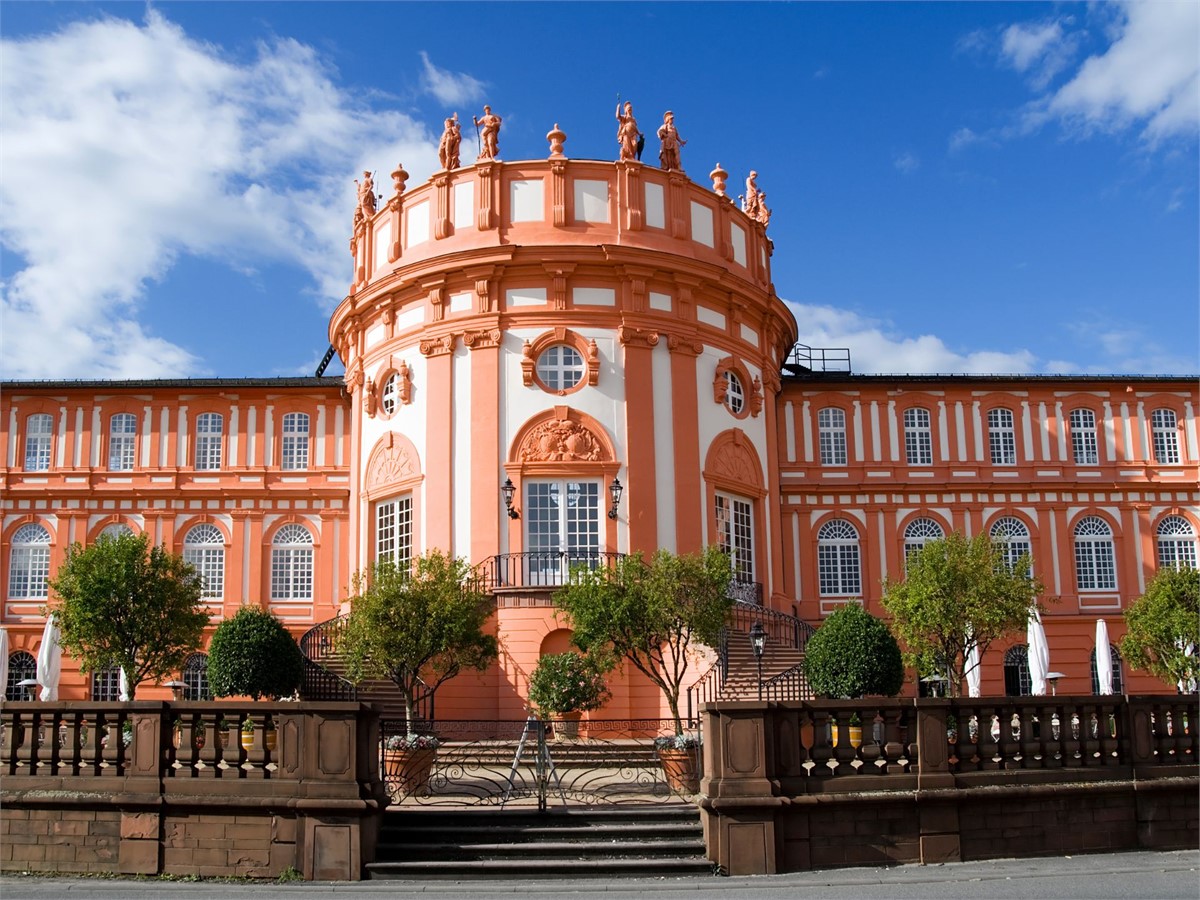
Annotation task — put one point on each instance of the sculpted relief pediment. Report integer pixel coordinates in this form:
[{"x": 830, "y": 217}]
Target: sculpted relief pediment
[
  {"x": 394, "y": 460},
  {"x": 562, "y": 440}
]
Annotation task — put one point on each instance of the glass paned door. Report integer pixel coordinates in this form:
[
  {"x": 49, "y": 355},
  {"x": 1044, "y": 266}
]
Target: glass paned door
[{"x": 562, "y": 521}]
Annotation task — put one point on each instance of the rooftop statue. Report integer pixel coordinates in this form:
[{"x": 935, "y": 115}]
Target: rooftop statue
[
  {"x": 751, "y": 199},
  {"x": 366, "y": 195},
  {"x": 764, "y": 214},
  {"x": 448, "y": 148},
  {"x": 628, "y": 137},
  {"x": 490, "y": 136},
  {"x": 668, "y": 156}
]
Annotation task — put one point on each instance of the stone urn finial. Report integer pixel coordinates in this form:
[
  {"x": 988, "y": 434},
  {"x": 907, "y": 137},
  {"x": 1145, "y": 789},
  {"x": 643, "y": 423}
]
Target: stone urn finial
[
  {"x": 399, "y": 178},
  {"x": 719, "y": 176},
  {"x": 556, "y": 137}
]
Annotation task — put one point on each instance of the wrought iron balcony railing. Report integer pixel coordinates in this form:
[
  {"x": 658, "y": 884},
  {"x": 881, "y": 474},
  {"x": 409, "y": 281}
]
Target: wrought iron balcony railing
[
  {"x": 746, "y": 592},
  {"x": 544, "y": 568}
]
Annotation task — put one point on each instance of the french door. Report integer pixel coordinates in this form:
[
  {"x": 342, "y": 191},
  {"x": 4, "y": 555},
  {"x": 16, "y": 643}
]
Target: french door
[{"x": 562, "y": 528}]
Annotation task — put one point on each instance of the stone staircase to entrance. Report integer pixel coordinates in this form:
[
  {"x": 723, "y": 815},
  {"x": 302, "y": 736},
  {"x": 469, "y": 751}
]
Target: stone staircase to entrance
[{"x": 579, "y": 842}]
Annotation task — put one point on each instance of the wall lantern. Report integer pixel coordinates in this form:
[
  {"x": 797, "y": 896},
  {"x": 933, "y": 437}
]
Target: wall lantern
[
  {"x": 507, "y": 489},
  {"x": 758, "y": 643},
  {"x": 614, "y": 491}
]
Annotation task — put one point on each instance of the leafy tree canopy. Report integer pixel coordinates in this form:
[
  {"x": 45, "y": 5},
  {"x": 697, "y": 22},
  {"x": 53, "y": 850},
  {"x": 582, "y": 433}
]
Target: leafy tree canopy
[
  {"x": 958, "y": 592},
  {"x": 124, "y": 603},
  {"x": 648, "y": 613},
  {"x": 853, "y": 654},
  {"x": 567, "y": 682},
  {"x": 1164, "y": 625},
  {"x": 253, "y": 654},
  {"x": 418, "y": 627}
]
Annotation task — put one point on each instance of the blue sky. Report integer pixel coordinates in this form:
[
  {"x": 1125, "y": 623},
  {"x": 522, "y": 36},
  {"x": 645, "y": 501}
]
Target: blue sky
[{"x": 956, "y": 187}]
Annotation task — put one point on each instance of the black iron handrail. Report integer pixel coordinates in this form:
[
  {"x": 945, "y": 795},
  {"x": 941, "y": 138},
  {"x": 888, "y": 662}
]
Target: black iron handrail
[
  {"x": 790, "y": 684},
  {"x": 782, "y": 629},
  {"x": 543, "y": 568},
  {"x": 746, "y": 592}
]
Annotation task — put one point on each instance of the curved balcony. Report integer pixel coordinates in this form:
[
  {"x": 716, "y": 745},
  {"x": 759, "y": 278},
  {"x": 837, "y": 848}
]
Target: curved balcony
[{"x": 541, "y": 569}]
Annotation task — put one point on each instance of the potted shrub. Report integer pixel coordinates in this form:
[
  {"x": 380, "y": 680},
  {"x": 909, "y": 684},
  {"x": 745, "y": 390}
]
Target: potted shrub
[
  {"x": 408, "y": 761},
  {"x": 248, "y": 734},
  {"x": 680, "y": 758},
  {"x": 564, "y": 686}
]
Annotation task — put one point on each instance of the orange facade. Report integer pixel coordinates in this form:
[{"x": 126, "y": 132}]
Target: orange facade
[{"x": 605, "y": 340}]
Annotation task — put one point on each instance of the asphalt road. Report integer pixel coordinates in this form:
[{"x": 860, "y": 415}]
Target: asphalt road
[{"x": 1112, "y": 876}]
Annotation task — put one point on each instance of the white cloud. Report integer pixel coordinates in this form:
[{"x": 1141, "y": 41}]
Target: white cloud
[
  {"x": 1039, "y": 50},
  {"x": 876, "y": 347},
  {"x": 127, "y": 146},
  {"x": 964, "y": 137},
  {"x": 906, "y": 163},
  {"x": 1149, "y": 75},
  {"x": 451, "y": 88}
]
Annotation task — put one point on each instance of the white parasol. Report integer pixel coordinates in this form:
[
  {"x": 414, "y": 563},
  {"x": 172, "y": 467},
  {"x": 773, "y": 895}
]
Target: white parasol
[
  {"x": 3, "y": 663},
  {"x": 1104, "y": 676},
  {"x": 49, "y": 660},
  {"x": 974, "y": 672},
  {"x": 1039, "y": 653}
]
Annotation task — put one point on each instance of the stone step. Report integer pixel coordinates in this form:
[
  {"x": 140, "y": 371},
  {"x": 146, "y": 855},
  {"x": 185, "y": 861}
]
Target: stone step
[
  {"x": 575, "y": 849},
  {"x": 493, "y": 869}
]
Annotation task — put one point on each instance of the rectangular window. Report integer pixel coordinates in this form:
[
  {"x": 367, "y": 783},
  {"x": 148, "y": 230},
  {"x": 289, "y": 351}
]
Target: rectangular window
[
  {"x": 1084, "y": 446},
  {"x": 1166, "y": 438},
  {"x": 28, "y": 572},
  {"x": 122, "y": 442},
  {"x": 831, "y": 429},
  {"x": 291, "y": 573},
  {"x": 393, "y": 531},
  {"x": 38, "y": 430},
  {"x": 210, "y": 428},
  {"x": 1095, "y": 566},
  {"x": 1001, "y": 437},
  {"x": 106, "y": 685},
  {"x": 295, "y": 442},
  {"x": 918, "y": 439},
  {"x": 210, "y": 563},
  {"x": 735, "y": 534}
]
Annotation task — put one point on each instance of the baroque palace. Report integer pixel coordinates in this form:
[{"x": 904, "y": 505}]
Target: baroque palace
[{"x": 552, "y": 361}]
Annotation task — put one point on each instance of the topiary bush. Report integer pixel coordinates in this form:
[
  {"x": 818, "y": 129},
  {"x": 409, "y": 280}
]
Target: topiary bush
[
  {"x": 567, "y": 682},
  {"x": 853, "y": 653},
  {"x": 253, "y": 654}
]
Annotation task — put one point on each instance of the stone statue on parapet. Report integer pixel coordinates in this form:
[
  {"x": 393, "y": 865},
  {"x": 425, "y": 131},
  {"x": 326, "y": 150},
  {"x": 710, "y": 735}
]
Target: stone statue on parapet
[
  {"x": 489, "y": 138},
  {"x": 631, "y": 140},
  {"x": 752, "y": 199},
  {"x": 451, "y": 140},
  {"x": 668, "y": 156},
  {"x": 764, "y": 214},
  {"x": 366, "y": 196}
]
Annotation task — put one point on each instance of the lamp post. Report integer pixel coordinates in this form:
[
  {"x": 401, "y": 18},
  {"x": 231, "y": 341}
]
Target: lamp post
[
  {"x": 614, "y": 493},
  {"x": 758, "y": 643},
  {"x": 1053, "y": 677},
  {"x": 28, "y": 684},
  {"x": 176, "y": 689}
]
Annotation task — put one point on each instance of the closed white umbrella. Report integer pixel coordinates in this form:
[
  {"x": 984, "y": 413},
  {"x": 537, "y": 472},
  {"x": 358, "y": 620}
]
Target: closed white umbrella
[
  {"x": 49, "y": 660},
  {"x": 3, "y": 663},
  {"x": 1039, "y": 653},
  {"x": 974, "y": 672},
  {"x": 123, "y": 687},
  {"x": 1103, "y": 658}
]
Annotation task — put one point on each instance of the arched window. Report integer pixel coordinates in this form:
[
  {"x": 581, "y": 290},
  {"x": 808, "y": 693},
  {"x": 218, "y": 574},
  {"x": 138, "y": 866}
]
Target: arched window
[
  {"x": 839, "y": 561},
  {"x": 21, "y": 667},
  {"x": 295, "y": 442},
  {"x": 195, "y": 678},
  {"x": 292, "y": 565},
  {"x": 1001, "y": 437},
  {"x": 831, "y": 429},
  {"x": 1118, "y": 679},
  {"x": 210, "y": 443},
  {"x": 106, "y": 684},
  {"x": 38, "y": 431},
  {"x": 1176, "y": 543},
  {"x": 918, "y": 533},
  {"x": 29, "y": 563},
  {"x": 1017, "y": 682},
  {"x": 1095, "y": 562},
  {"x": 918, "y": 438},
  {"x": 1083, "y": 437},
  {"x": 122, "y": 441},
  {"x": 1166, "y": 438},
  {"x": 115, "y": 530},
  {"x": 735, "y": 393},
  {"x": 204, "y": 548},
  {"x": 1014, "y": 537}
]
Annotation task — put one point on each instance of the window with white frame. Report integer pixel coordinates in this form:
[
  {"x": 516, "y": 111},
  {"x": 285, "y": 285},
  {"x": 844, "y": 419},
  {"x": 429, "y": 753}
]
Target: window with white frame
[
  {"x": 38, "y": 431},
  {"x": 29, "y": 563},
  {"x": 560, "y": 367},
  {"x": 22, "y": 666},
  {"x": 292, "y": 565},
  {"x": 394, "y": 531},
  {"x": 204, "y": 548},
  {"x": 1166, "y": 438},
  {"x": 839, "y": 560},
  {"x": 735, "y": 393},
  {"x": 122, "y": 442},
  {"x": 918, "y": 533},
  {"x": 115, "y": 530},
  {"x": 295, "y": 442},
  {"x": 1084, "y": 446},
  {"x": 391, "y": 394},
  {"x": 106, "y": 684},
  {"x": 562, "y": 527},
  {"x": 1095, "y": 562},
  {"x": 735, "y": 534},
  {"x": 831, "y": 434},
  {"x": 918, "y": 437},
  {"x": 1176, "y": 543},
  {"x": 210, "y": 442},
  {"x": 1013, "y": 538},
  {"x": 195, "y": 678},
  {"x": 1001, "y": 437}
]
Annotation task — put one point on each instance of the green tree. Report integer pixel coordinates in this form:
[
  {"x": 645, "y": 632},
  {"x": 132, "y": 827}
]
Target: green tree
[
  {"x": 418, "y": 627},
  {"x": 1164, "y": 625},
  {"x": 567, "y": 682},
  {"x": 648, "y": 613},
  {"x": 253, "y": 654},
  {"x": 958, "y": 592},
  {"x": 853, "y": 653},
  {"x": 124, "y": 603}
]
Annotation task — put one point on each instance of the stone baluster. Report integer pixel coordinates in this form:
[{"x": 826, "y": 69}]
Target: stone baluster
[
  {"x": 893, "y": 748},
  {"x": 843, "y": 752},
  {"x": 1010, "y": 738},
  {"x": 989, "y": 731},
  {"x": 1106, "y": 715},
  {"x": 1089, "y": 727},
  {"x": 69, "y": 743},
  {"x": 967, "y": 718},
  {"x": 1069, "y": 740},
  {"x": 822, "y": 746}
]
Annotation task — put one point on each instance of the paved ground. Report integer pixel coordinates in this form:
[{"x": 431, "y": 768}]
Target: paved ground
[{"x": 1111, "y": 876}]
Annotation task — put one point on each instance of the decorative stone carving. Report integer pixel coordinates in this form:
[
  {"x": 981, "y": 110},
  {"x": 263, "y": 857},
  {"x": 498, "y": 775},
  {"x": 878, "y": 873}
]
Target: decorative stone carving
[
  {"x": 490, "y": 136},
  {"x": 353, "y": 378},
  {"x": 719, "y": 176},
  {"x": 630, "y": 140},
  {"x": 734, "y": 461},
  {"x": 394, "y": 464},
  {"x": 366, "y": 195},
  {"x": 764, "y": 214},
  {"x": 527, "y": 364},
  {"x": 561, "y": 440},
  {"x": 638, "y": 337},
  {"x": 668, "y": 156},
  {"x": 438, "y": 346},
  {"x": 403, "y": 383},
  {"x": 399, "y": 179},
  {"x": 448, "y": 148},
  {"x": 557, "y": 137},
  {"x": 370, "y": 401},
  {"x": 750, "y": 200},
  {"x": 720, "y": 382},
  {"x": 593, "y": 361},
  {"x": 487, "y": 337},
  {"x": 755, "y": 400},
  {"x": 689, "y": 346}
]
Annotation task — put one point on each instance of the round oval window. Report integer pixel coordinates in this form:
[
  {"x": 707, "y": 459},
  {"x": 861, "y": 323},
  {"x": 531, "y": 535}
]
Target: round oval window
[
  {"x": 391, "y": 393},
  {"x": 735, "y": 395},
  {"x": 560, "y": 367}
]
